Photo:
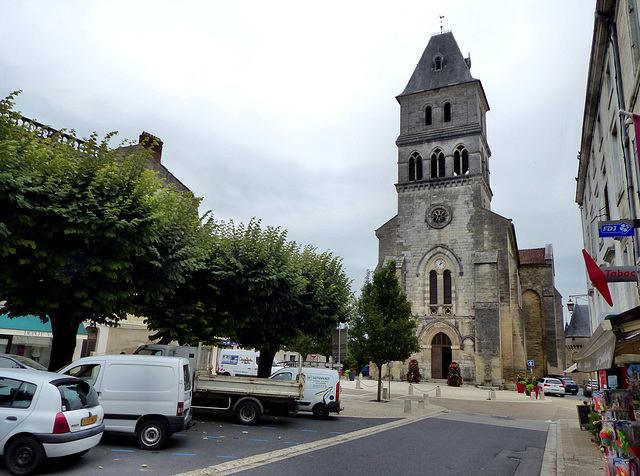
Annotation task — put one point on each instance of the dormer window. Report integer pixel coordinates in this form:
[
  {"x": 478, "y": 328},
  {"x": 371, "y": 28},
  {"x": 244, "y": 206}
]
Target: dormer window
[{"x": 438, "y": 63}]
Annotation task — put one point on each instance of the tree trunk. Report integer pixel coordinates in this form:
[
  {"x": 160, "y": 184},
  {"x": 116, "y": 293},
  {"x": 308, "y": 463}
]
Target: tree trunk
[
  {"x": 379, "y": 381},
  {"x": 64, "y": 330},
  {"x": 265, "y": 363}
]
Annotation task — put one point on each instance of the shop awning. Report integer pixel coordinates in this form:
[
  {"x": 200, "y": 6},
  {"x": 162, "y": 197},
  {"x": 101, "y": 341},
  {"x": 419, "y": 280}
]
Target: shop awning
[
  {"x": 598, "y": 352},
  {"x": 572, "y": 368},
  {"x": 31, "y": 324}
]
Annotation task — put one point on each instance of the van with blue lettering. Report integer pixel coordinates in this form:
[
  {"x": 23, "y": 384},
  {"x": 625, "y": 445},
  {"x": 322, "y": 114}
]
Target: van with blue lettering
[{"x": 321, "y": 391}]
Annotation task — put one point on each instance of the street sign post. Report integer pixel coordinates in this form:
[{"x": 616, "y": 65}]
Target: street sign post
[{"x": 617, "y": 228}]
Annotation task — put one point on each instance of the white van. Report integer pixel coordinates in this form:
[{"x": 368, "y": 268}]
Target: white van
[
  {"x": 142, "y": 395},
  {"x": 241, "y": 362},
  {"x": 321, "y": 390}
]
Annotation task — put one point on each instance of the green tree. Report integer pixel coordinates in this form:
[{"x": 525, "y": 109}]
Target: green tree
[
  {"x": 86, "y": 232},
  {"x": 382, "y": 329},
  {"x": 269, "y": 291}
]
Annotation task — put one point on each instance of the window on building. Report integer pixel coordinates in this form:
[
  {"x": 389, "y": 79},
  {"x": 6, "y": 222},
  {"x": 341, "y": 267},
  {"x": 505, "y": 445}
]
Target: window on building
[
  {"x": 447, "y": 112},
  {"x": 460, "y": 161},
  {"x": 437, "y": 164},
  {"x": 415, "y": 167},
  {"x": 412, "y": 169},
  {"x": 447, "y": 286},
  {"x": 438, "y": 63},
  {"x": 605, "y": 196},
  {"x": 427, "y": 116},
  {"x": 433, "y": 287},
  {"x": 441, "y": 339}
]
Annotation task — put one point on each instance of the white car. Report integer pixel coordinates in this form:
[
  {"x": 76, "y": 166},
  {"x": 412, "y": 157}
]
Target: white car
[
  {"x": 552, "y": 386},
  {"x": 46, "y": 415}
]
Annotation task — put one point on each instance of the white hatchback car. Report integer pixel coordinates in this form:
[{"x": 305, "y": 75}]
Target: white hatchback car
[
  {"x": 552, "y": 386},
  {"x": 44, "y": 414}
]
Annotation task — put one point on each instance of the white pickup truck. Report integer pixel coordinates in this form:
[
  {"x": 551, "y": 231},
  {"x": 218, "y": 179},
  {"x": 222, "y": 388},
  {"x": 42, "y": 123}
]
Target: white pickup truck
[{"x": 247, "y": 397}]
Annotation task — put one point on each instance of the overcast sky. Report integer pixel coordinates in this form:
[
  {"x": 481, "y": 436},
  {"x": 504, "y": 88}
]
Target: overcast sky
[{"x": 286, "y": 111}]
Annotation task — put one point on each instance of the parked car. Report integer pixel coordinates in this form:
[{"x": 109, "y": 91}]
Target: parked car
[
  {"x": 46, "y": 415},
  {"x": 10, "y": 361},
  {"x": 142, "y": 395},
  {"x": 589, "y": 387},
  {"x": 552, "y": 386},
  {"x": 570, "y": 386}
]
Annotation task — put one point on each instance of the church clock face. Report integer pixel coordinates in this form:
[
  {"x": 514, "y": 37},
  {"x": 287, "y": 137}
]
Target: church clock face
[
  {"x": 438, "y": 216},
  {"x": 440, "y": 264}
]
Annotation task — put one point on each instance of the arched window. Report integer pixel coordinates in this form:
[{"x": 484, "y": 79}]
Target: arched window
[
  {"x": 437, "y": 164},
  {"x": 441, "y": 339},
  {"x": 447, "y": 112},
  {"x": 447, "y": 286},
  {"x": 427, "y": 116},
  {"x": 438, "y": 63},
  {"x": 433, "y": 287},
  {"x": 415, "y": 167},
  {"x": 460, "y": 161}
]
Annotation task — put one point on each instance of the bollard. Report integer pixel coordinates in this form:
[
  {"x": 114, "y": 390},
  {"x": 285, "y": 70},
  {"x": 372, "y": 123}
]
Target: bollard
[
  {"x": 410, "y": 391},
  {"x": 492, "y": 395},
  {"x": 541, "y": 393},
  {"x": 407, "y": 406},
  {"x": 438, "y": 391},
  {"x": 358, "y": 384},
  {"x": 421, "y": 404},
  {"x": 384, "y": 393},
  {"x": 426, "y": 398},
  {"x": 489, "y": 395}
]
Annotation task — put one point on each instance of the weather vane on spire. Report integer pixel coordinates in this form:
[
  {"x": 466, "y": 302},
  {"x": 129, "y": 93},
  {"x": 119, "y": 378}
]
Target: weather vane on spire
[{"x": 441, "y": 22}]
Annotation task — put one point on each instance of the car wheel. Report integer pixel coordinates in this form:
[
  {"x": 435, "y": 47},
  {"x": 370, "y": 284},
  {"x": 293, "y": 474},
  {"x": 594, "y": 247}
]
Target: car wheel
[
  {"x": 151, "y": 434},
  {"x": 321, "y": 411},
  {"x": 248, "y": 412},
  {"x": 24, "y": 455}
]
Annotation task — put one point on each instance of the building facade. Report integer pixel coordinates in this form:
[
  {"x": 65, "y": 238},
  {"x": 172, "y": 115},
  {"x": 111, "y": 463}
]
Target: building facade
[
  {"x": 607, "y": 181},
  {"x": 479, "y": 300}
]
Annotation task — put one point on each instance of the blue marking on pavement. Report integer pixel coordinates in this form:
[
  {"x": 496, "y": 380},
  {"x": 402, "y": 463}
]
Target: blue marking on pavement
[
  {"x": 269, "y": 428},
  {"x": 243, "y": 426},
  {"x": 179, "y": 434},
  {"x": 229, "y": 457},
  {"x": 211, "y": 437},
  {"x": 262, "y": 441},
  {"x": 290, "y": 443},
  {"x": 337, "y": 432},
  {"x": 122, "y": 451},
  {"x": 184, "y": 454},
  {"x": 311, "y": 431}
]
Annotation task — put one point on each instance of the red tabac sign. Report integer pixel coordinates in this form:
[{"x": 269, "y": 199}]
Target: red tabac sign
[{"x": 597, "y": 277}]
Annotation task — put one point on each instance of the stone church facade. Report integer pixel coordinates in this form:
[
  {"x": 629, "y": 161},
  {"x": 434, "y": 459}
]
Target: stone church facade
[{"x": 479, "y": 300}]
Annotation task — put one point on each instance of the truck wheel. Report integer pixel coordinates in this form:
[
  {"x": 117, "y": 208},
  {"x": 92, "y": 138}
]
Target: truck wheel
[
  {"x": 151, "y": 434},
  {"x": 248, "y": 412},
  {"x": 24, "y": 455},
  {"x": 321, "y": 411}
]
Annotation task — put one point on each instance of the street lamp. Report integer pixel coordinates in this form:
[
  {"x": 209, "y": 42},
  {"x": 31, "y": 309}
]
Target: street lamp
[{"x": 571, "y": 305}]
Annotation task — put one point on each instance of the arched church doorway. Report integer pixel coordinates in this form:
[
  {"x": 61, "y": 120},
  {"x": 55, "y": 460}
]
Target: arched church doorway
[{"x": 440, "y": 355}]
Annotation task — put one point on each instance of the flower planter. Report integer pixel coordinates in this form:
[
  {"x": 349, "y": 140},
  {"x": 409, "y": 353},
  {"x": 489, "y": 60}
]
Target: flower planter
[{"x": 520, "y": 387}]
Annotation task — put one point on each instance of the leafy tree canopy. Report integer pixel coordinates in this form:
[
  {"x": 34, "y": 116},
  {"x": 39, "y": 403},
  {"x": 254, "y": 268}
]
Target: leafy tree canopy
[
  {"x": 87, "y": 232},
  {"x": 382, "y": 329}
]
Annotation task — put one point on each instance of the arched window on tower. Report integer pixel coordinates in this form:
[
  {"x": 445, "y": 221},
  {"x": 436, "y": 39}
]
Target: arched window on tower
[
  {"x": 440, "y": 282},
  {"x": 415, "y": 167},
  {"x": 437, "y": 164},
  {"x": 447, "y": 112},
  {"x": 447, "y": 286},
  {"x": 433, "y": 287},
  {"x": 460, "y": 161},
  {"x": 427, "y": 116}
]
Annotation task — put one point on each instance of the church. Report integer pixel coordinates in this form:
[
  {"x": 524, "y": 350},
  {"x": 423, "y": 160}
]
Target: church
[{"x": 478, "y": 299}]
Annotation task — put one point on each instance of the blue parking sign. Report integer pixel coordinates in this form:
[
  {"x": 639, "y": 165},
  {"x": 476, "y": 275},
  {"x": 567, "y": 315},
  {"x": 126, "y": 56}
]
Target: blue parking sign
[{"x": 529, "y": 363}]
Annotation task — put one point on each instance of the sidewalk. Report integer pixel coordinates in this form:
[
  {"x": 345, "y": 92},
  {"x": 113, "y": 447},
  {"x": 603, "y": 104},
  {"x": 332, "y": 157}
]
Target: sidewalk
[{"x": 569, "y": 450}]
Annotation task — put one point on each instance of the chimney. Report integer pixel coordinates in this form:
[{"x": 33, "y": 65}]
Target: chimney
[{"x": 153, "y": 143}]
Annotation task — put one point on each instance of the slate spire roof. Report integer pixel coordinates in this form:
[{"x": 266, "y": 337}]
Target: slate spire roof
[
  {"x": 579, "y": 325},
  {"x": 454, "y": 69}
]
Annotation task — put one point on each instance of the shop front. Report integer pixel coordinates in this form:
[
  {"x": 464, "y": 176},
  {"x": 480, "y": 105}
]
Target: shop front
[
  {"x": 612, "y": 356},
  {"x": 28, "y": 336}
]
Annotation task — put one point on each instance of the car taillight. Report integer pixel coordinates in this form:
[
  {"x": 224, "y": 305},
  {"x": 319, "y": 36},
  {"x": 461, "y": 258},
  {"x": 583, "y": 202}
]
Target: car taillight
[
  {"x": 337, "y": 391},
  {"x": 180, "y": 411},
  {"x": 60, "y": 424}
]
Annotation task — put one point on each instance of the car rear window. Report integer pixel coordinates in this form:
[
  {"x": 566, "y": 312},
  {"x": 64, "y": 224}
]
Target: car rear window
[{"x": 77, "y": 395}]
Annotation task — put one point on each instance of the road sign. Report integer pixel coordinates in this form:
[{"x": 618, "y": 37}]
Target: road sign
[
  {"x": 620, "y": 274},
  {"x": 612, "y": 229},
  {"x": 529, "y": 363},
  {"x": 313, "y": 356}
]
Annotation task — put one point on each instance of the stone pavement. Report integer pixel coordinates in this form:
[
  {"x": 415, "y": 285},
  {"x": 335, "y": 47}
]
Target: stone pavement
[{"x": 569, "y": 450}]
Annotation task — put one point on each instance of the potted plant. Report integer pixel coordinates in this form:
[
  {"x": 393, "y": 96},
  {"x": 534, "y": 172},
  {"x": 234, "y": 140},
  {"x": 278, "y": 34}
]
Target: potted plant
[
  {"x": 414, "y": 375},
  {"x": 454, "y": 378},
  {"x": 520, "y": 383}
]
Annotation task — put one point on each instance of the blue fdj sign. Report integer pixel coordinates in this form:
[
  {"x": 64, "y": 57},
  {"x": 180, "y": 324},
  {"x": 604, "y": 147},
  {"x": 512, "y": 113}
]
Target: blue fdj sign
[
  {"x": 616, "y": 229},
  {"x": 529, "y": 363}
]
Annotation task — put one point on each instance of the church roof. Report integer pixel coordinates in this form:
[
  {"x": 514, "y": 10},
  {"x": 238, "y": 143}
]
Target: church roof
[
  {"x": 579, "y": 324},
  {"x": 532, "y": 256},
  {"x": 455, "y": 68}
]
